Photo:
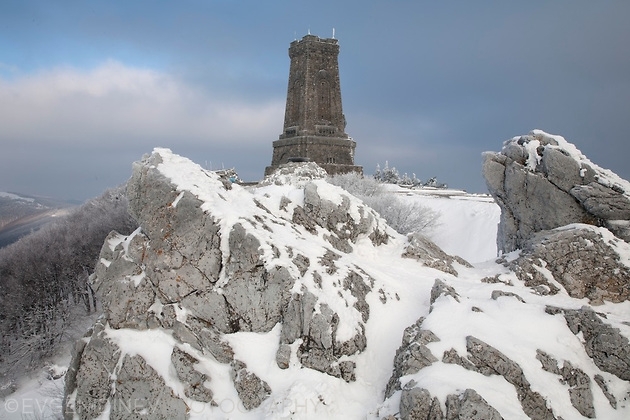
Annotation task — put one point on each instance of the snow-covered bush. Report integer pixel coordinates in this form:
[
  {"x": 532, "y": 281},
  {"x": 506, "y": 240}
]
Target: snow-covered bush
[
  {"x": 357, "y": 184},
  {"x": 403, "y": 216}
]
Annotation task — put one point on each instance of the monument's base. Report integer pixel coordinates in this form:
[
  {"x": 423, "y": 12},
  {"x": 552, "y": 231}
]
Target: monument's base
[
  {"x": 334, "y": 154},
  {"x": 331, "y": 169}
]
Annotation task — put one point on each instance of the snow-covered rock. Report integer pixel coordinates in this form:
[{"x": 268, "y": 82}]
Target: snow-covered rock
[
  {"x": 295, "y": 300},
  {"x": 542, "y": 182},
  {"x": 521, "y": 359},
  {"x": 584, "y": 260},
  {"x": 212, "y": 259}
]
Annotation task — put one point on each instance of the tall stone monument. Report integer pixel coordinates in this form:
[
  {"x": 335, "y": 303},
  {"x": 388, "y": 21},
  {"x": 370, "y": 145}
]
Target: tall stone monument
[{"x": 314, "y": 124}]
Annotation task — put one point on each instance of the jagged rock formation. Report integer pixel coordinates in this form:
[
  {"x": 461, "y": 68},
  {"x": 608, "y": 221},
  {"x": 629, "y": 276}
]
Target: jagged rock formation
[
  {"x": 295, "y": 300},
  {"x": 542, "y": 182},
  {"x": 604, "y": 344},
  {"x": 423, "y": 249},
  {"x": 419, "y": 366},
  {"x": 580, "y": 391},
  {"x": 212, "y": 259},
  {"x": 569, "y": 219},
  {"x": 586, "y": 261},
  {"x": 417, "y": 403}
]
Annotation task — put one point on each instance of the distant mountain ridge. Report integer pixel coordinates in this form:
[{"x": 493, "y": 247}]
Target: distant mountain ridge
[{"x": 22, "y": 214}]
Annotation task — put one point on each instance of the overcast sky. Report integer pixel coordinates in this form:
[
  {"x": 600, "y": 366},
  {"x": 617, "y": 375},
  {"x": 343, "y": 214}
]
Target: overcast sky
[{"x": 87, "y": 87}]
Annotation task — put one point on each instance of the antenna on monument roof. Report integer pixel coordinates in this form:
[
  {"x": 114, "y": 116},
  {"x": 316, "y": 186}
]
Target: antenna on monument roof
[
  {"x": 309, "y": 31},
  {"x": 333, "y": 33}
]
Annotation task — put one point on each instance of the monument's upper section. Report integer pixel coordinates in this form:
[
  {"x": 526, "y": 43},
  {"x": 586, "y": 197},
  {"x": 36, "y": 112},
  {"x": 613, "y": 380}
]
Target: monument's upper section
[
  {"x": 314, "y": 93},
  {"x": 314, "y": 124}
]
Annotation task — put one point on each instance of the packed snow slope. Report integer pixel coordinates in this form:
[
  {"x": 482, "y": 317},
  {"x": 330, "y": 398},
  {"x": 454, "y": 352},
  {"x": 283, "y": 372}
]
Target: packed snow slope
[
  {"x": 466, "y": 225},
  {"x": 294, "y": 300}
]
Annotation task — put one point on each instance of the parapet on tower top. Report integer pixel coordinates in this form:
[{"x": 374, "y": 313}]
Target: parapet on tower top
[
  {"x": 314, "y": 123},
  {"x": 315, "y": 38}
]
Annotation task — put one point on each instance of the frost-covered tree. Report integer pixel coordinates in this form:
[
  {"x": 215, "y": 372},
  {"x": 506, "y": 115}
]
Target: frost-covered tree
[
  {"x": 44, "y": 278},
  {"x": 377, "y": 173},
  {"x": 358, "y": 185},
  {"x": 389, "y": 175},
  {"x": 403, "y": 216},
  {"x": 405, "y": 180},
  {"x": 415, "y": 182},
  {"x": 386, "y": 175}
]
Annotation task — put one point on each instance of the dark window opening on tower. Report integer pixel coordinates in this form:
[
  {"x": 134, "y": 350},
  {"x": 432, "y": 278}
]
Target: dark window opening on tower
[
  {"x": 325, "y": 130},
  {"x": 324, "y": 101},
  {"x": 330, "y": 160}
]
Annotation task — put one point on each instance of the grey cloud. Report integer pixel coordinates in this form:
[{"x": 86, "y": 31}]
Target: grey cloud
[{"x": 427, "y": 86}]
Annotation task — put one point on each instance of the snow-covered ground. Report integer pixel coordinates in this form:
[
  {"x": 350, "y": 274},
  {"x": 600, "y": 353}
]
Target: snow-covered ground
[
  {"x": 40, "y": 395},
  {"x": 467, "y": 227}
]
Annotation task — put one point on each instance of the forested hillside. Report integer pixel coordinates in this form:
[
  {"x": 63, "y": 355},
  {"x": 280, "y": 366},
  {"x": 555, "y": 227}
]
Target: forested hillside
[{"x": 43, "y": 280}]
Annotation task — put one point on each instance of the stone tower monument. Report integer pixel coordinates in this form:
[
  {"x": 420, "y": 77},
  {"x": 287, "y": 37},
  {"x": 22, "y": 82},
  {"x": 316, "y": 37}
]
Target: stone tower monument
[{"x": 314, "y": 124}]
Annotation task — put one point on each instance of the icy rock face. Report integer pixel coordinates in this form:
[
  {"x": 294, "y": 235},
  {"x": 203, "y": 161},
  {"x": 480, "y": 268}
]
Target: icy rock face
[
  {"x": 542, "y": 182},
  {"x": 417, "y": 403},
  {"x": 586, "y": 261},
  {"x": 604, "y": 344},
  {"x": 211, "y": 260}
]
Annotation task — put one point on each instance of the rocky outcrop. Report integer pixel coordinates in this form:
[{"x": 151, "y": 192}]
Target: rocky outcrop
[
  {"x": 487, "y": 360},
  {"x": 316, "y": 330},
  {"x": 442, "y": 289},
  {"x": 290, "y": 300},
  {"x": 417, "y": 404},
  {"x": 586, "y": 261},
  {"x": 412, "y": 356},
  {"x": 580, "y": 391},
  {"x": 420, "y": 373},
  {"x": 424, "y": 250},
  {"x": 608, "y": 348},
  {"x": 212, "y": 259},
  {"x": 542, "y": 182},
  {"x": 342, "y": 226},
  {"x": 251, "y": 390},
  {"x": 123, "y": 385}
]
